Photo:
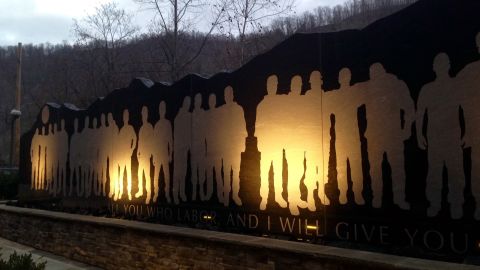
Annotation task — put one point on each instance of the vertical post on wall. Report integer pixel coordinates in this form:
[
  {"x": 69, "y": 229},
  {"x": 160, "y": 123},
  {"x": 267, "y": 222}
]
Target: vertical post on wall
[{"x": 16, "y": 112}]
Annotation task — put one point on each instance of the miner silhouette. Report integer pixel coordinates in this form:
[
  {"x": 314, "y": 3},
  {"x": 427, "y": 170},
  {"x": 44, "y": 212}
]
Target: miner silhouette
[
  {"x": 212, "y": 155},
  {"x": 315, "y": 173},
  {"x": 112, "y": 133},
  {"x": 62, "y": 148},
  {"x": 127, "y": 141},
  {"x": 439, "y": 101},
  {"x": 58, "y": 156},
  {"x": 50, "y": 158},
  {"x": 224, "y": 147},
  {"x": 144, "y": 154},
  {"x": 344, "y": 103},
  {"x": 198, "y": 147},
  {"x": 162, "y": 151},
  {"x": 103, "y": 146},
  {"x": 385, "y": 97},
  {"x": 466, "y": 85},
  {"x": 182, "y": 136},
  {"x": 269, "y": 116},
  {"x": 217, "y": 144},
  {"x": 231, "y": 139},
  {"x": 295, "y": 136},
  {"x": 75, "y": 155},
  {"x": 87, "y": 156}
]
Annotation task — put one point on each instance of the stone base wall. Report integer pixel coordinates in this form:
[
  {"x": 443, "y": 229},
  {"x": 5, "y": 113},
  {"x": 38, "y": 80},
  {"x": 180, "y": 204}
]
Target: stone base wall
[{"x": 123, "y": 244}]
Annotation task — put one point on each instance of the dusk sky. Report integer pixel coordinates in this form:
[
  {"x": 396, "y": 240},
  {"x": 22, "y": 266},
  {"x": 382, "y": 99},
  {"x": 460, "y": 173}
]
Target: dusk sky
[{"x": 42, "y": 21}]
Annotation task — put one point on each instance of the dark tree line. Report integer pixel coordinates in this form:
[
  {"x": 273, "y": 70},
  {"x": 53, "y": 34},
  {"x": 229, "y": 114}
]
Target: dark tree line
[
  {"x": 351, "y": 14},
  {"x": 92, "y": 67}
]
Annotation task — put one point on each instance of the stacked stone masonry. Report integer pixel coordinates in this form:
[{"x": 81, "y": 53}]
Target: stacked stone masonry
[{"x": 123, "y": 244}]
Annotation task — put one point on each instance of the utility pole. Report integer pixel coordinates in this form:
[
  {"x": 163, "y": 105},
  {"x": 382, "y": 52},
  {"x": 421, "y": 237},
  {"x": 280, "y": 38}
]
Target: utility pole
[{"x": 16, "y": 113}]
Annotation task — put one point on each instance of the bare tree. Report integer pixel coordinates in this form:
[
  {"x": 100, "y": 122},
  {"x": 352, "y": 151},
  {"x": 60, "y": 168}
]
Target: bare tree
[
  {"x": 247, "y": 16},
  {"x": 103, "y": 33},
  {"x": 175, "y": 19}
]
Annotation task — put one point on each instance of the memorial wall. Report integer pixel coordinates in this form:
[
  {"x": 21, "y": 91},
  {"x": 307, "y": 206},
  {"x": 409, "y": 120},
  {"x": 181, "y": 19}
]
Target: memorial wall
[{"x": 366, "y": 136}]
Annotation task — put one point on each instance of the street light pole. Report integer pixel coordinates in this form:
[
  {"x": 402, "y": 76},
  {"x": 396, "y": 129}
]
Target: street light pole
[{"x": 15, "y": 113}]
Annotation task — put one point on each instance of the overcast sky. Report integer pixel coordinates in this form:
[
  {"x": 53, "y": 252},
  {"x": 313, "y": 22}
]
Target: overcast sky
[{"x": 42, "y": 21}]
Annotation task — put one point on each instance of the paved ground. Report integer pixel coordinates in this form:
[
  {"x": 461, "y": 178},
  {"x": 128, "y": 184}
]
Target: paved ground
[{"x": 54, "y": 262}]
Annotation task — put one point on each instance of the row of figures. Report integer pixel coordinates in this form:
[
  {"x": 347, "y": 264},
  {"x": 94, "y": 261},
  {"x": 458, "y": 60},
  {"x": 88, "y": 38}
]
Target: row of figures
[
  {"x": 42, "y": 172},
  {"x": 304, "y": 123},
  {"x": 215, "y": 139},
  {"x": 298, "y": 127},
  {"x": 102, "y": 151},
  {"x": 295, "y": 126}
]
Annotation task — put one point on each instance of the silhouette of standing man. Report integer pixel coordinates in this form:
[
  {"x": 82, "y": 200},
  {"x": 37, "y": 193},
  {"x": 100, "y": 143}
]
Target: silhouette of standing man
[
  {"x": 344, "y": 103},
  {"x": 270, "y": 143},
  {"x": 127, "y": 140},
  {"x": 467, "y": 84},
  {"x": 233, "y": 133},
  {"x": 144, "y": 153},
  {"x": 385, "y": 97},
  {"x": 315, "y": 173},
  {"x": 439, "y": 101},
  {"x": 113, "y": 155},
  {"x": 198, "y": 147},
  {"x": 182, "y": 141},
  {"x": 162, "y": 151}
]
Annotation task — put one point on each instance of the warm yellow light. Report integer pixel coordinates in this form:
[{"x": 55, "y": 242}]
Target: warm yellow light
[
  {"x": 311, "y": 227},
  {"x": 207, "y": 217},
  {"x": 300, "y": 140}
]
